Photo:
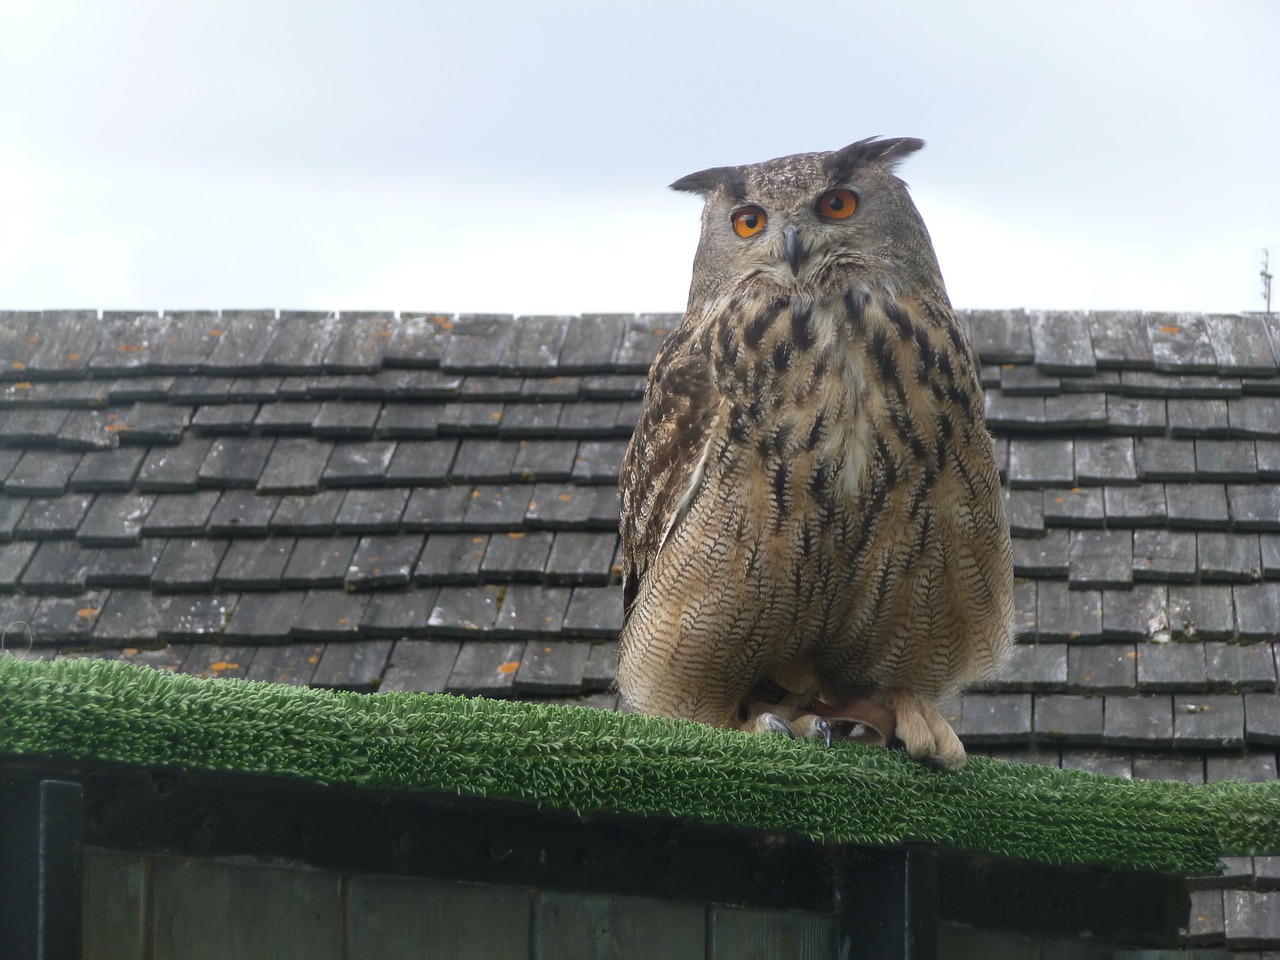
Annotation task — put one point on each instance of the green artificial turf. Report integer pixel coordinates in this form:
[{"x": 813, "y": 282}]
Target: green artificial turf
[{"x": 592, "y": 761}]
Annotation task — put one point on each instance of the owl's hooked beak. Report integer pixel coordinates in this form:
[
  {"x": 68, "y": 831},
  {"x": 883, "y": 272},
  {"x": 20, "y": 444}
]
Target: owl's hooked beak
[{"x": 792, "y": 248}]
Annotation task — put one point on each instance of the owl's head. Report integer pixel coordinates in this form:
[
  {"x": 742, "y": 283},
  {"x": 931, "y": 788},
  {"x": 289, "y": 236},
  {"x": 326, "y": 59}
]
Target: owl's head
[{"x": 813, "y": 223}]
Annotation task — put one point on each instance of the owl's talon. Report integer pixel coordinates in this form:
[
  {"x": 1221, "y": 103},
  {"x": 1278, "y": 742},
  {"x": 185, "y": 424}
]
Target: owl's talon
[
  {"x": 824, "y": 730},
  {"x": 772, "y": 723}
]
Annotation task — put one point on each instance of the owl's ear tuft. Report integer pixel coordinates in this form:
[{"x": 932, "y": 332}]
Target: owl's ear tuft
[
  {"x": 872, "y": 150},
  {"x": 705, "y": 181}
]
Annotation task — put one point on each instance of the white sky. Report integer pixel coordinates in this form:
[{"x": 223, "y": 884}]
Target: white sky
[{"x": 513, "y": 157}]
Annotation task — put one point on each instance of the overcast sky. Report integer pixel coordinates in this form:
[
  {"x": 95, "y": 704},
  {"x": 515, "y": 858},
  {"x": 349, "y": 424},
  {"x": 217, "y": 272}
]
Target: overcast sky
[{"x": 513, "y": 157}]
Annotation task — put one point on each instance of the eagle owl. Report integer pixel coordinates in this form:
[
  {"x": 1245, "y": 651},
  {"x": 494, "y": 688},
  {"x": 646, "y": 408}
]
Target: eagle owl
[{"x": 813, "y": 537}]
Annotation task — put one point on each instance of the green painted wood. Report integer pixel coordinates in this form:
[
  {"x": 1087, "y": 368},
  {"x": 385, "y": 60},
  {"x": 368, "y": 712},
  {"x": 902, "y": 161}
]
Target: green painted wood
[
  {"x": 587, "y": 927},
  {"x": 113, "y": 905},
  {"x": 735, "y": 933},
  {"x": 393, "y": 918},
  {"x": 207, "y": 909},
  {"x": 956, "y": 942}
]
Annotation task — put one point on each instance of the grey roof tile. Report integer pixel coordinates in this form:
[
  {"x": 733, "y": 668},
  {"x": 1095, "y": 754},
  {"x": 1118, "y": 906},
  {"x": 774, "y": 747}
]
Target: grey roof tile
[
  {"x": 263, "y": 618},
  {"x": 1164, "y": 555},
  {"x": 1023, "y": 381},
  {"x": 1105, "y": 668},
  {"x": 553, "y": 668},
  {"x": 224, "y": 418},
  {"x": 308, "y": 513},
  {"x": 485, "y": 669},
  {"x": 418, "y": 462},
  {"x": 8, "y": 460},
  {"x": 359, "y": 340},
  {"x": 532, "y": 612},
  {"x": 89, "y": 430},
  {"x": 254, "y": 564},
  {"x": 295, "y": 466},
  {"x": 1144, "y": 721},
  {"x": 235, "y": 462},
  {"x": 1180, "y": 343},
  {"x": 372, "y": 510},
  {"x": 147, "y": 422},
  {"x": 1025, "y": 604},
  {"x": 1239, "y": 667},
  {"x": 590, "y": 343},
  {"x": 1063, "y": 614},
  {"x": 383, "y": 561},
  {"x": 180, "y": 514},
  {"x": 417, "y": 340},
  {"x": 132, "y": 389},
  {"x": 190, "y": 618},
  {"x": 292, "y": 663},
  {"x": 242, "y": 342},
  {"x": 127, "y": 341},
  {"x": 1166, "y": 667},
  {"x": 16, "y": 344},
  {"x": 107, "y": 470},
  {"x": 589, "y": 419},
  {"x": 34, "y": 426},
  {"x": 1033, "y": 666},
  {"x": 346, "y": 419},
  {"x": 255, "y": 389},
  {"x": 48, "y": 518},
  {"x": 1001, "y": 336},
  {"x": 1268, "y": 452},
  {"x": 242, "y": 513},
  {"x": 287, "y": 417},
  {"x": 601, "y": 666},
  {"x": 329, "y": 615},
  {"x": 560, "y": 507},
  {"x": 478, "y": 342},
  {"x": 201, "y": 389},
  {"x": 536, "y": 344},
  {"x": 1205, "y": 923},
  {"x": 1120, "y": 340},
  {"x": 1004, "y": 412},
  {"x": 319, "y": 562},
  {"x": 1140, "y": 613},
  {"x": 64, "y": 344},
  {"x": 1047, "y": 556},
  {"x": 1270, "y": 544},
  {"x": 207, "y": 660},
  {"x": 1262, "y": 718},
  {"x": 1061, "y": 341},
  {"x": 1255, "y": 507},
  {"x": 1241, "y": 345},
  {"x": 550, "y": 460},
  {"x": 174, "y": 469},
  {"x": 491, "y": 387},
  {"x": 186, "y": 342},
  {"x": 408, "y": 421},
  {"x": 484, "y": 461},
  {"x": 352, "y": 666},
  {"x": 1258, "y": 610},
  {"x": 1200, "y": 612},
  {"x": 420, "y": 666},
  {"x": 470, "y": 419},
  {"x": 436, "y": 508},
  {"x": 594, "y": 613},
  {"x": 41, "y": 473},
  {"x": 11, "y": 510},
  {"x": 1251, "y": 768},
  {"x": 1076, "y": 411},
  {"x": 1230, "y": 557},
  {"x": 516, "y": 556},
  {"x": 1105, "y": 460},
  {"x": 1036, "y": 463},
  {"x": 300, "y": 342},
  {"x": 995, "y": 718},
  {"x": 497, "y": 508},
  {"x": 464, "y": 611},
  {"x": 1197, "y": 418},
  {"x": 1137, "y": 416},
  {"x": 641, "y": 339},
  {"x": 1091, "y": 761},
  {"x": 57, "y": 566},
  {"x": 1162, "y": 459},
  {"x": 1140, "y": 506},
  {"x": 530, "y": 420},
  {"x": 1197, "y": 505},
  {"x": 398, "y": 613},
  {"x": 360, "y": 463},
  {"x": 67, "y": 619},
  {"x": 581, "y": 558},
  {"x": 1068, "y": 718},
  {"x": 452, "y": 558},
  {"x": 115, "y": 519},
  {"x": 1076, "y": 507},
  {"x": 1101, "y": 559},
  {"x": 1188, "y": 769},
  {"x": 188, "y": 565},
  {"x": 599, "y": 461},
  {"x": 125, "y": 566},
  {"x": 613, "y": 386},
  {"x": 1213, "y": 720},
  {"x": 130, "y": 617},
  {"x": 1226, "y": 460},
  {"x": 1025, "y": 510},
  {"x": 550, "y": 389}
]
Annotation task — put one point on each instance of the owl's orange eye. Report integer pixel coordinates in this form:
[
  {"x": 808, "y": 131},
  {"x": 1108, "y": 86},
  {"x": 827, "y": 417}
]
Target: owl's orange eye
[
  {"x": 748, "y": 221},
  {"x": 837, "y": 204}
]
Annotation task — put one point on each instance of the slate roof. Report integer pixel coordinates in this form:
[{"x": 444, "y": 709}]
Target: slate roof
[{"x": 421, "y": 502}]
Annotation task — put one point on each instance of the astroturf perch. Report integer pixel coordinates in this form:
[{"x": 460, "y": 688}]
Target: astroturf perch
[{"x": 590, "y": 761}]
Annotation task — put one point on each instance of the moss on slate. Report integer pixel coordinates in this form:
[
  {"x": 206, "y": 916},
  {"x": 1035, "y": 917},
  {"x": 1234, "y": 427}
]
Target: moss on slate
[{"x": 592, "y": 761}]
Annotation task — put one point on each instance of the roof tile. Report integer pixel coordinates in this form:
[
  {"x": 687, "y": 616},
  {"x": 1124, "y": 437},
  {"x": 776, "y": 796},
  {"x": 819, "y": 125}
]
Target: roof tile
[
  {"x": 1068, "y": 718},
  {"x": 67, "y": 619},
  {"x": 436, "y": 508},
  {"x": 189, "y": 618},
  {"x": 1202, "y": 505},
  {"x": 995, "y": 718},
  {"x": 383, "y": 561},
  {"x": 125, "y": 566},
  {"x": 1171, "y": 666},
  {"x": 1180, "y": 343},
  {"x": 329, "y": 615},
  {"x": 115, "y": 519},
  {"x": 1105, "y": 460},
  {"x": 254, "y": 564},
  {"x": 301, "y": 339},
  {"x": 536, "y": 344},
  {"x": 372, "y": 510},
  {"x": 1064, "y": 614},
  {"x": 1230, "y": 557},
  {"x": 417, "y": 340},
  {"x": 399, "y": 613},
  {"x": 187, "y": 565},
  {"x": 1140, "y": 613},
  {"x": 1158, "y": 458},
  {"x": 1208, "y": 720},
  {"x": 452, "y": 558},
  {"x": 360, "y": 463},
  {"x": 1062, "y": 342},
  {"x": 407, "y": 421},
  {"x": 641, "y": 338},
  {"x": 57, "y": 566},
  {"x": 1238, "y": 667},
  {"x": 359, "y": 338},
  {"x": 1077, "y": 507},
  {"x": 1241, "y": 345},
  {"x": 52, "y": 517},
  {"x": 293, "y": 663},
  {"x": 485, "y": 669},
  {"x": 1258, "y": 611},
  {"x": 421, "y": 666},
  {"x": 1138, "y": 721},
  {"x": 287, "y": 417},
  {"x": 108, "y": 470},
  {"x": 129, "y": 617},
  {"x": 532, "y": 612},
  {"x": 1120, "y": 339},
  {"x": 1001, "y": 336},
  {"x": 594, "y": 613},
  {"x": 464, "y": 611},
  {"x": 1046, "y": 556},
  {"x": 590, "y": 343},
  {"x": 1203, "y": 613},
  {"x": 1140, "y": 506},
  {"x": 1226, "y": 460},
  {"x": 1036, "y": 463},
  {"x": 264, "y": 617},
  {"x": 235, "y": 462},
  {"x": 1106, "y": 668},
  {"x": 41, "y": 473},
  {"x": 1164, "y": 555},
  {"x": 1076, "y": 411},
  {"x": 552, "y": 668},
  {"x": 477, "y": 343},
  {"x": 1197, "y": 418},
  {"x": 352, "y": 666},
  {"x": 516, "y": 556},
  {"x": 319, "y": 562},
  {"x": 242, "y": 342}
]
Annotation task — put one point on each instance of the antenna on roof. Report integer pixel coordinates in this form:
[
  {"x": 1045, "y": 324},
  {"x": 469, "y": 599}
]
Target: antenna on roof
[{"x": 1267, "y": 277}]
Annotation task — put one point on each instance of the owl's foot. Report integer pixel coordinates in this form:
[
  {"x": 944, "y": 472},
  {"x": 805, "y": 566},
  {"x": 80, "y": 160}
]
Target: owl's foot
[
  {"x": 922, "y": 729},
  {"x": 808, "y": 726}
]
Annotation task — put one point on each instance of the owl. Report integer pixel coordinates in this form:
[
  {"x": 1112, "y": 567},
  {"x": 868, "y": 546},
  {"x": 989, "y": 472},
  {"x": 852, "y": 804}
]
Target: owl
[{"x": 814, "y": 541}]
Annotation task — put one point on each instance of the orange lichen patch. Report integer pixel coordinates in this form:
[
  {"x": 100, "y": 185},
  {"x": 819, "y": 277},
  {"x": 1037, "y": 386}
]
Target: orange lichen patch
[
  {"x": 130, "y": 348},
  {"x": 384, "y": 334},
  {"x": 131, "y": 651},
  {"x": 564, "y": 497},
  {"x": 660, "y": 331},
  {"x": 496, "y": 415},
  {"x": 219, "y": 665},
  {"x": 73, "y": 357},
  {"x": 17, "y": 365},
  {"x": 343, "y": 621},
  {"x": 475, "y": 494},
  {"x": 215, "y": 333},
  {"x": 515, "y": 536},
  {"x": 444, "y": 323},
  {"x": 511, "y": 666},
  {"x": 1170, "y": 328},
  {"x": 22, "y": 385},
  {"x": 1077, "y": 490},
  {"x": 1059, "y": 499},
  {"x": 87, "y": 613},
  {"x": 1006, "y": 366},
  {"x": 313, "y": 659},
  {"x": 117, "y": 427}
]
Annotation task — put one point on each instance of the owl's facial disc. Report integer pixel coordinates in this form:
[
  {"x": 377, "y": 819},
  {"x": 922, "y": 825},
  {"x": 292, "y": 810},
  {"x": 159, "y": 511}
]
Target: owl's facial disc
[{"x": 791, "y": 246}]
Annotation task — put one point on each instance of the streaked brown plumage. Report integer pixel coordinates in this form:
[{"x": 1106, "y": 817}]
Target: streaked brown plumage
[{"x": 810, "y": 502}]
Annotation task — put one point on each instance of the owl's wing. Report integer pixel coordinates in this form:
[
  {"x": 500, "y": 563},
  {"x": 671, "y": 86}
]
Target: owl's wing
[{"x": 663, "y": 464}]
